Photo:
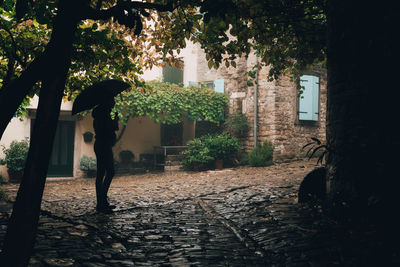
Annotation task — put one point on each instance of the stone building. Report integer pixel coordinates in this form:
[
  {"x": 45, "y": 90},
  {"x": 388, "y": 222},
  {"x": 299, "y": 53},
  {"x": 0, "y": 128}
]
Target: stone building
[{"x": 284, "y": 118}]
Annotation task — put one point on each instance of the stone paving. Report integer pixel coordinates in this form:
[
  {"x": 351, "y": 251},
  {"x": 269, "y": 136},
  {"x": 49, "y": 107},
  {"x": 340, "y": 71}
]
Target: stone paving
[{"x": 234, "y": 217}]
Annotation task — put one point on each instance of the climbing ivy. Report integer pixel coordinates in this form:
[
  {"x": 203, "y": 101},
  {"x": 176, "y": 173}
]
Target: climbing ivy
[{"x": 169, "y": 103}]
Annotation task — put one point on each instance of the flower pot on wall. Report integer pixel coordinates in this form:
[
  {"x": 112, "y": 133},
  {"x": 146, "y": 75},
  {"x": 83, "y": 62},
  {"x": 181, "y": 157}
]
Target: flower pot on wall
[
  {"x": 88, "y": 137},
  {"x": 219, "y": 164}
]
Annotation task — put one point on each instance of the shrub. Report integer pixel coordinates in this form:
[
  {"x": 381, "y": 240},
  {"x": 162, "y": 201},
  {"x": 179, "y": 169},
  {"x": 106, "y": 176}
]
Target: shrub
[
  {"x": 243, "y": 158},
  {"x": 261, "y": 155},
  {"x": 2, "y": 180},
  {"x": 208, "y": 148},
  {"x": 237, "y": 125},
  {"x": 88, "y": 165},
  {"x": 221, "y": 146},
  {"x": 197, "y": 153},
  {"x": 15, "y": 155},
  {"x": 3, "y": 195}
]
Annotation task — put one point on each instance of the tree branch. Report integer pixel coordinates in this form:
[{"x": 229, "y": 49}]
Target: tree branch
[
  {"x": 98, "y": 5},
  {"x": 105, "y": 14},
  {"x": 10, "y": 70},
  {"x": 14, "y": 45}
]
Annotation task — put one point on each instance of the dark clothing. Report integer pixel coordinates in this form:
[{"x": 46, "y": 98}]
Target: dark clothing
[
  {"x": 104, "y": 127},
  {"x": 105, "y": 170},
  {"x": 105, "y": 139}
]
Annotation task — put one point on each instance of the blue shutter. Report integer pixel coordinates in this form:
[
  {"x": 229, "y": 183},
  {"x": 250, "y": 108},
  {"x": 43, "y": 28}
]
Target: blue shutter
[
  {"x": 308, "y": 103},
  {"x": 315, "y": 98},
  {"x": 192, "y": 83},
  {"x": 219, "y": 86},
  {"x": 305, "y": 102}
]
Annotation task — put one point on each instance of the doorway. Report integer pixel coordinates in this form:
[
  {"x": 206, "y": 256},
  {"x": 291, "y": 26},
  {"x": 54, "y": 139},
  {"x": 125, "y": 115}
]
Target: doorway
[
  {"x": 62, "y": 156},
  {"x": 171, "y": 135}
]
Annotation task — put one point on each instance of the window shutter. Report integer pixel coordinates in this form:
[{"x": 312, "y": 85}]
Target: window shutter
[
  {"x": 305, "y": 101},
  {"x": 315, "y": 98},
  {"x": 309, "y": 99},
  {"x": 219, "y": 86},
  {"x": 192, "y": 83}
]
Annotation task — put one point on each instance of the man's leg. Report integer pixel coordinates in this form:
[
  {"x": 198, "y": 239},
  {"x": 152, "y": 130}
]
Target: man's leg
[
  {"x": 110, "y": 172},
  {"x": 101, "y": 170}
]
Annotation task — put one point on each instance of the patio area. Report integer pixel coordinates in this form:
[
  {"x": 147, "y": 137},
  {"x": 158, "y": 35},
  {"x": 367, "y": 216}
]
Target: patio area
[{"x": 234, "y": 217}]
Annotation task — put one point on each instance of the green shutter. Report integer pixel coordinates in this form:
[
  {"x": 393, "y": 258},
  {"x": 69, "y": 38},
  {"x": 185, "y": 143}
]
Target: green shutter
[
  {"x": 308, "y": 102},
  {"x": 219, "y": 86}
]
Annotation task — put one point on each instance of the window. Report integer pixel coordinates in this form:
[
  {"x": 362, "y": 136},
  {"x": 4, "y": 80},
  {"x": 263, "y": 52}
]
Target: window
[
  {"x": 309, "y": 99},
  {"x": 172, "y": 74},
  {"x": 217, "y": 85},
  {"x": 207, "y": 84}
]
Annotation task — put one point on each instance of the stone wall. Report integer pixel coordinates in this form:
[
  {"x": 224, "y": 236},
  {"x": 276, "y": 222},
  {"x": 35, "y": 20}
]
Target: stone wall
[{"x": 277, "y": 105}]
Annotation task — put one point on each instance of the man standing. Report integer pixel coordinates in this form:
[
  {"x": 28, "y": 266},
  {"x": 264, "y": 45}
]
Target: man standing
[{"x": 105, "y": 138}]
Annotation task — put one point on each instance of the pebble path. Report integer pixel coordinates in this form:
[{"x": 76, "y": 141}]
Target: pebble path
[{"x": 233, "y": 217}]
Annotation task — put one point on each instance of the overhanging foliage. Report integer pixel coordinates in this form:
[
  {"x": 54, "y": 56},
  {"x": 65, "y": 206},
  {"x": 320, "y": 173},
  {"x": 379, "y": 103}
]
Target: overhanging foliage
[{"x": 169, "y": 103}]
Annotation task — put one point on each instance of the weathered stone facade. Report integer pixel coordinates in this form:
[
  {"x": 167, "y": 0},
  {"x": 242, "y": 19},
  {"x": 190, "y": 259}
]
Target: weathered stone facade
[{"x": 277, "y": 106}]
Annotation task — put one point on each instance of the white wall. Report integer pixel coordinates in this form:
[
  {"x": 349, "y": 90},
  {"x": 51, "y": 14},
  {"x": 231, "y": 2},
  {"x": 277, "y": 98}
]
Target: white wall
[
  {"x": 16, "y": 130},
  {"x": 189, "y": 56}
]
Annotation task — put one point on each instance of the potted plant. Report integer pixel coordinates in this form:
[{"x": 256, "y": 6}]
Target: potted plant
[
  {"x": 196, "y": 156},
  {"x": 88, "y": 165},
  {"x": 126, "y": 156},
  {"x": 15, "y": 159},
  {"x": 87, "y": 137},
  {"x": 221, "y": 147}
]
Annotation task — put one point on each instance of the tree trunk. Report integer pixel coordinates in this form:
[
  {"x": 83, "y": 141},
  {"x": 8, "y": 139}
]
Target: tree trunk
[
  {"x": 22, "y": 226},
  {"x": 362, "y": 110},
  {"x": 12, "y": 94}
]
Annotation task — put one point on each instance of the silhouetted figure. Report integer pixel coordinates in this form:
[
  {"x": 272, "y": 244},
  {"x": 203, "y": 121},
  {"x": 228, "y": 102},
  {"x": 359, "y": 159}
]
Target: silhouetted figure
[
  {"x": 105, "y": 139},
  {"x": 313, "y": 186}
]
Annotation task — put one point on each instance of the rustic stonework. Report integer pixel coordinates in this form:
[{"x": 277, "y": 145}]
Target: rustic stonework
[{"x": 277, "y": 106}]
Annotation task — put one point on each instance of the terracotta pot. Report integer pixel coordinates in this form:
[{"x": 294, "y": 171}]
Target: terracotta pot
[
  {"x": 219, "y": 164},
  {"x": 196, "y": 166}
]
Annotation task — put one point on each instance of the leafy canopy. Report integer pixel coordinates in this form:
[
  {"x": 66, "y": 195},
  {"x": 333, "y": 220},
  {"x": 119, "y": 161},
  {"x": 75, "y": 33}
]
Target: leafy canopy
[{"x": 122, "y": 38}]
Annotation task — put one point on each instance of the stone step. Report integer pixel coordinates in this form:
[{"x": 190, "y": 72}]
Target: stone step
[
  {"x": 173, "y": 157},
  {"x": 172, "y": 163},
  {"x": 173, "y": 168}
]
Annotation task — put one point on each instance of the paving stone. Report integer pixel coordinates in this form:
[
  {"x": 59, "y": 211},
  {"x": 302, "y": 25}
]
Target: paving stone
[{"x": 238, "y": 217}]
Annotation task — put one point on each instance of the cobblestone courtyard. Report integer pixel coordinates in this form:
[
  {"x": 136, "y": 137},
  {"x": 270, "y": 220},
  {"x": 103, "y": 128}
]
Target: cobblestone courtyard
[{"x": 234, "y": 217}]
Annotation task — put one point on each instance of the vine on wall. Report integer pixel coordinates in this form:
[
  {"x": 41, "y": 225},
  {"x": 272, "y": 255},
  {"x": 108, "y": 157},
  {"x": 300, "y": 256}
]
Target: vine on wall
[{"x": 169, "y": 103}]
